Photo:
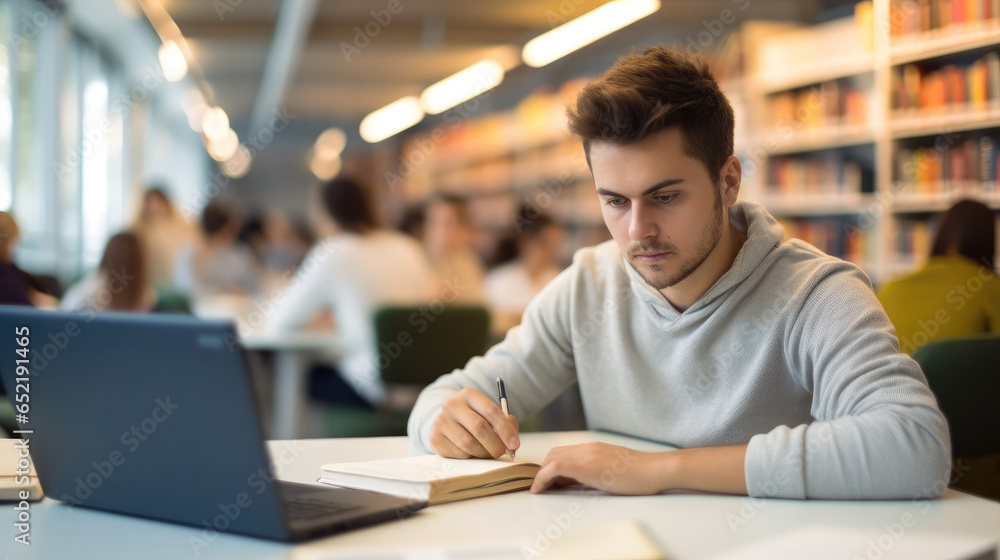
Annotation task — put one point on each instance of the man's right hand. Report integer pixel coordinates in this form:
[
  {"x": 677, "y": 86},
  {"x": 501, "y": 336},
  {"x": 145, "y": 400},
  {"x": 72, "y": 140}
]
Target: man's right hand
[{"x": 473, "y": 425}]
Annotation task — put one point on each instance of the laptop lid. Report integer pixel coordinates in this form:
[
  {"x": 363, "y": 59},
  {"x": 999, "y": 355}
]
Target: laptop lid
[{"x": 152, "y": 416}]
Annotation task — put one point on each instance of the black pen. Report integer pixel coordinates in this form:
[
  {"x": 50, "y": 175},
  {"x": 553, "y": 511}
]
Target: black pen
[{"x": 503, "y": 404}]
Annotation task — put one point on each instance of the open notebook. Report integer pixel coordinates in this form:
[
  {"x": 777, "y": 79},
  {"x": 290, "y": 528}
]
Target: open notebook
[{"x": 433, "y": 478}]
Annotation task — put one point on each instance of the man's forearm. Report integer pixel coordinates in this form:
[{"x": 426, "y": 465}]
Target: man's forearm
[{"x": 710, "y": 469}]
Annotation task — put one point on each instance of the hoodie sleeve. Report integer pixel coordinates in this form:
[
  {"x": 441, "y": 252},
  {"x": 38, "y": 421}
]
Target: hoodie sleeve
[
  {"x": 878, "y": 433},
  {"x": 535, "y": 360}
]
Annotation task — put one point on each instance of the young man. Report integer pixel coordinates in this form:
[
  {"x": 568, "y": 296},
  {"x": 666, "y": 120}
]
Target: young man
[{"x": 771, "y": 365}]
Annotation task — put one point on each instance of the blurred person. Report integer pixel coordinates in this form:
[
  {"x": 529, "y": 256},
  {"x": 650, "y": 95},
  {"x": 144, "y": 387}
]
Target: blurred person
[
  {"x": 413, "y": 221},
  {"x": 164, "y": 232},
  {"x": 282, "y": 251},
  {"x": 448, "y": 238},
  {"x": 120, "y": 283},
  {"x": 525, "y": 261},
  {"x": 356, "y": 267},
  {"x": 216, "y": 264},
  {"x": 17, "y": 287},
  {"x": 956, "y": 293}
]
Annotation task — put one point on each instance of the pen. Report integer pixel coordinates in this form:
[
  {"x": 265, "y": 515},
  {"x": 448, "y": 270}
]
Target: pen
[{"x": 503, "y": 403}]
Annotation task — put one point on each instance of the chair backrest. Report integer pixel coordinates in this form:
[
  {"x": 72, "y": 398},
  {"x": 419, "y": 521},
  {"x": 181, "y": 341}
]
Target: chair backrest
[
  {"x": 415, "y": 345},
  {"x": 964, "y": 374}
]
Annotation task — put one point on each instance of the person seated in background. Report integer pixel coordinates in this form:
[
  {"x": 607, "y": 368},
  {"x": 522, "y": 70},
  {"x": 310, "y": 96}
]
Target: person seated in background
[
  {"x": 448, "y": 237},
  {"x": 120, "y": 283},
  {"x": 164, "y": 232},
  {"x": 216, "y": 266},
  {"x": 17, "y": 287},
  {"x": 414, "y": 221},
  {"x": 957, "y": 292},
  {"x": 356, "y": 267},
  {"x": 525, "y": 261}
]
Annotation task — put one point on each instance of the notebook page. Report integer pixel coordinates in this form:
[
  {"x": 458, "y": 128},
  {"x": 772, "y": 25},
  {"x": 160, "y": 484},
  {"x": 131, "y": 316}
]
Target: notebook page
[{"x": 423, "y": 468}]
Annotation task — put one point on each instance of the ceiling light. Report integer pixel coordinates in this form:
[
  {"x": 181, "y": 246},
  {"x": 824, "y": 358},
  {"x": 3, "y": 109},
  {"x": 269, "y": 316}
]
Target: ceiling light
[
  {"x": 224, "y": 148},
  {"x": 391, "y": 119},
  {"x": 238, "y": 165},
  {"x": 172, "y": 61},
  {"x": 215, "y": 124},
  {"x": 461, "y": 86},
  {"x": 331, "y": 143},
  {"x": 325, "y": 169},
  {"x": 585, "y": 29}
]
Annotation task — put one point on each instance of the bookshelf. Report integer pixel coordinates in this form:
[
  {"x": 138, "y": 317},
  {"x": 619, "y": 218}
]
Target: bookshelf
[
  {"x": 923, "y": 129},
  {"x": 835, "y": 142}
]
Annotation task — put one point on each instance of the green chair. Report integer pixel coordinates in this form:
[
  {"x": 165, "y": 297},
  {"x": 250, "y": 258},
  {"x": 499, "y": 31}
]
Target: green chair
[
  {"x": 964, "y": 374},
  {"x": 7, "y": 421},
  {"x": 415, "y": 345},
  {"x": 172, "y": 302}
]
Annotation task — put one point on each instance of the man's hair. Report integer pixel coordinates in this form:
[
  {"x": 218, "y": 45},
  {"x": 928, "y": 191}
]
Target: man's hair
[
  {"x": 348, "y": 203},
  {"x": 642, "y": 94},
  {"x": 969, "y": 228}
]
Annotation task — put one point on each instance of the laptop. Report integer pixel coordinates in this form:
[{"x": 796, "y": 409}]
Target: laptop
[{"x": 155, "y": 416}]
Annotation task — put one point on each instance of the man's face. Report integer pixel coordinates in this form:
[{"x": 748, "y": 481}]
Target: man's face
[{"x": 660, "y": 205}]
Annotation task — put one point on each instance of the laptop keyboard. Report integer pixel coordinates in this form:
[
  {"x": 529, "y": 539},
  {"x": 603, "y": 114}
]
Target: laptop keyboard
[{"x": 305, "y": 508}]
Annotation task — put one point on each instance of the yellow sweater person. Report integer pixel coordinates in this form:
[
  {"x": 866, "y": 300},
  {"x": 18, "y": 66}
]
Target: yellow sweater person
[{"x": 957, "y": 293}]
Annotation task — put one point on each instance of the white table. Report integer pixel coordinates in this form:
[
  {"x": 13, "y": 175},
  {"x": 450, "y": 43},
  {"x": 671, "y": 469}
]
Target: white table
[
  {"x": 290, "y": 373},
  {"x": 685, "y": 525}
]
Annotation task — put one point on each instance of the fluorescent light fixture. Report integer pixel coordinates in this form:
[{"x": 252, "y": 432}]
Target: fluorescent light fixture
[
  {"x": 461, "y": 86},
  {"x": 331, "y": 143},
  {"x": 585, "y": 29},
  {"x": 391, "y": 119},
  {"x": 172, "y": 61},
  {"x": 215, "y": 124}
]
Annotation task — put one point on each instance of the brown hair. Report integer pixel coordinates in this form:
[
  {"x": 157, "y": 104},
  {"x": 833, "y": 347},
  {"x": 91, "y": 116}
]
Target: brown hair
[
  {"x": 642, "y": 94},
  {"x": 969, "y": 227},
  {"x": 349, "y": 205},
  {"x": 9, "y": 232},
  {"x": 124, "y": 267}
]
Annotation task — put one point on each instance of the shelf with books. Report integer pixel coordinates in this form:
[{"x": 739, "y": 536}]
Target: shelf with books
[
  {"x": 938, "y": 43},
  {"x": 933, "y": 202},
  {"x": 793, "y": 141},
  {"x": 831, "y": 204},
  {"x": 839, "y": 236},
  {"x": 944, "y": 123},
  {"x": 934, "y": 28}
]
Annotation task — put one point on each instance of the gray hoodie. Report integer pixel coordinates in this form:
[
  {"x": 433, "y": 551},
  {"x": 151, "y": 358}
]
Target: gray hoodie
[{"x": 789, "y": 351}]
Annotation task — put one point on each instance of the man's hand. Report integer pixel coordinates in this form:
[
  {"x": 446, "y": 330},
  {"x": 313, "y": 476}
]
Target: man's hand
[
  {"x": 615, "y": 469},
  {"x": 620, "y": 470},
  {"x": 472, "y": 425}
]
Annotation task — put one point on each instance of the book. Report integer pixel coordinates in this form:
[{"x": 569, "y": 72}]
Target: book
[
  {"x": 16, "y": 476},
  {"x": 433, "y": 478}
]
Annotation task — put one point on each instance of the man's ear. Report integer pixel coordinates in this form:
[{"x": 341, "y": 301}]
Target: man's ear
[{"x": 730, "y": 177}]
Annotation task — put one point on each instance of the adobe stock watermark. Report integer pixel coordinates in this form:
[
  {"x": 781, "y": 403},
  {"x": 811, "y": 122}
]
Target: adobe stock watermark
[
  {"x": 257, "y": 482},
  {"x": 28, "y": 26},
  {"x": 120, "y": 108},
  {"x": 363, "y": 35},
  {"x": 264, "y": 308},
  {"x": 562, "y": 523},
  {"x": 713, "y": 29},
  {"x": 421, "y": 320},
  {"x": 408, "y": 163},
  {"x": 256, "y": 143},
  {"x": 131, "y": 439}
]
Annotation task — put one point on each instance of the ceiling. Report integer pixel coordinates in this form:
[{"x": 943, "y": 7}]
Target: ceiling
[{"x": 243, "y": 60}]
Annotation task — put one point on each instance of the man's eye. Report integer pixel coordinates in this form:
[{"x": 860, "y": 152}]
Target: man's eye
[
  {"x": 666, "y": 198},
  {"x": 615, "y": 202}
]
